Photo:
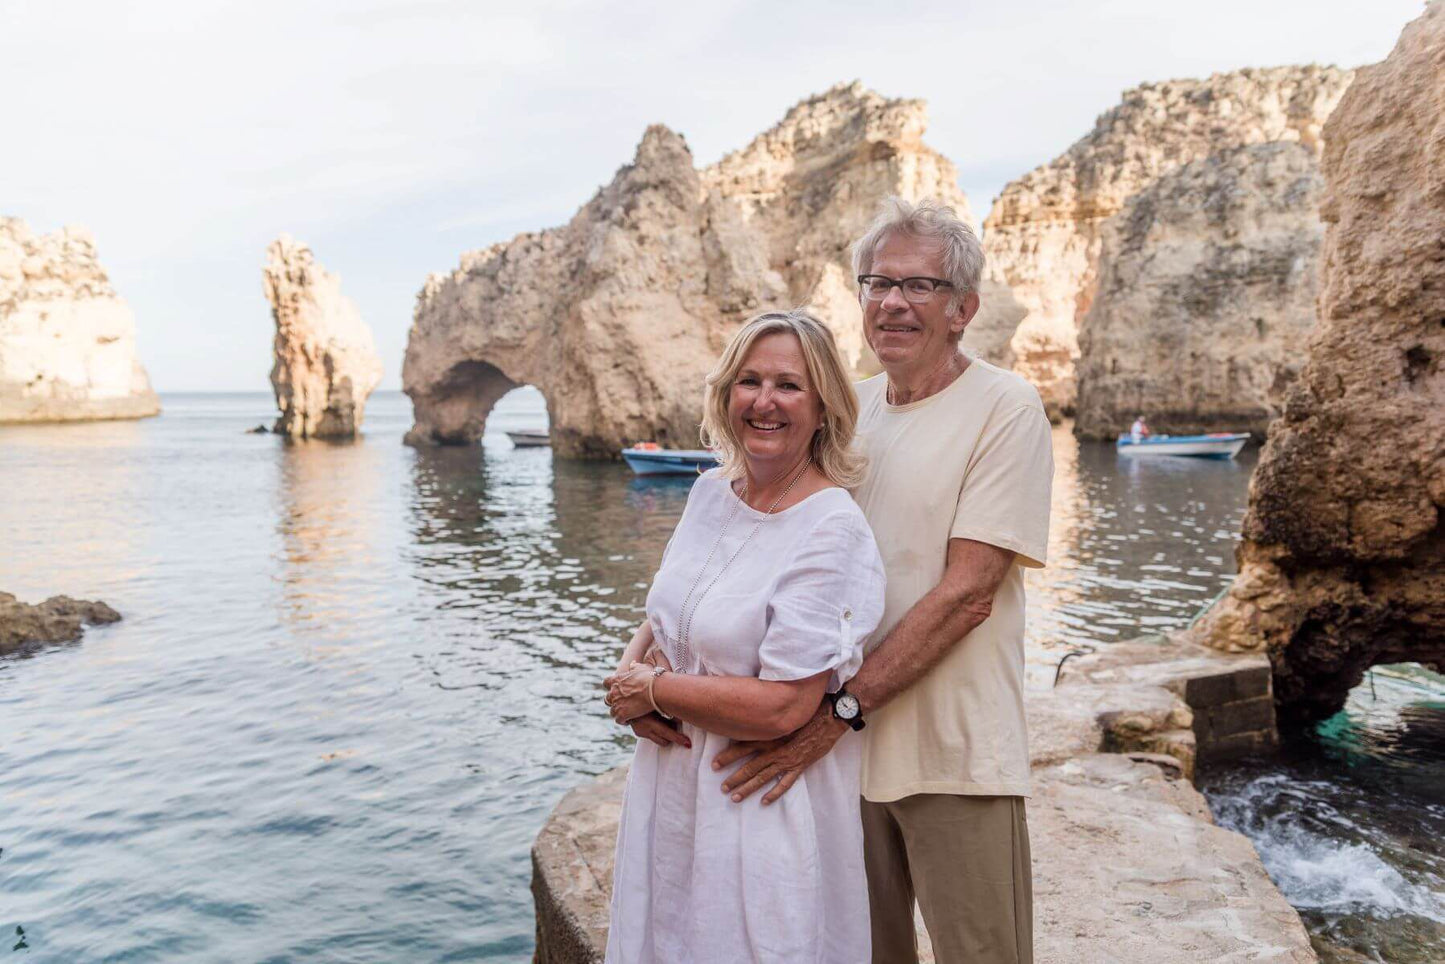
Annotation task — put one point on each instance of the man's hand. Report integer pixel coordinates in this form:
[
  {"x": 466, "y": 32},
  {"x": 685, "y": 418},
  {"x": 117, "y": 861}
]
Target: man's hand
[{"x": 782, "y": 760}]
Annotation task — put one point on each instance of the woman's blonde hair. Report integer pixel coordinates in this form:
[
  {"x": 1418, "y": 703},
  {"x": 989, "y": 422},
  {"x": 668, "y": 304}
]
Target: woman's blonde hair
[{"x": 833, "y": 451}]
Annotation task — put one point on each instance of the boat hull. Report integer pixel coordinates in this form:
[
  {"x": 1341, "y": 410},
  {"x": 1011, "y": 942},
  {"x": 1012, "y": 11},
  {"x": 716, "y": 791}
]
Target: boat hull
[
  {"x": 1222, "y": 446},
  {"x": 530, "y": 440},
  {"x": 669, "y": 461}
]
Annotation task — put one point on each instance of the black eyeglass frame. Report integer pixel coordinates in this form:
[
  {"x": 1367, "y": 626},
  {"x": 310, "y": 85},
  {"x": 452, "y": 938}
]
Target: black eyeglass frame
[{"x": 899, "y": 283}]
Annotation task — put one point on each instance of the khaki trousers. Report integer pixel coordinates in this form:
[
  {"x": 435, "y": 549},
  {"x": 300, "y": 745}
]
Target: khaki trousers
[{"x": 966, "y": 861}]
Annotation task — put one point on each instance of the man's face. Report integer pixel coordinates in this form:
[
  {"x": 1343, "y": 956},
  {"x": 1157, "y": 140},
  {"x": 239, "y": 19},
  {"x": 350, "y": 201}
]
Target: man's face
[{"x": 903, "y": 335}]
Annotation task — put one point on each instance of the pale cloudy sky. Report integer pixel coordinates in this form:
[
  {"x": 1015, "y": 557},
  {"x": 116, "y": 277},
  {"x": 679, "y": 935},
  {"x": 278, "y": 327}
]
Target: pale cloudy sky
[{"x": 394, "y": 135}]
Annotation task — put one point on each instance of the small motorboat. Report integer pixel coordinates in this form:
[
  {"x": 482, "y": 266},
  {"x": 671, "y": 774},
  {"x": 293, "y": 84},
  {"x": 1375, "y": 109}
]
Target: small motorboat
[
  {"x": 530, "y": 438},
  {"x": 1217, "y": 445},
  {"x": 649, "y": 458}
]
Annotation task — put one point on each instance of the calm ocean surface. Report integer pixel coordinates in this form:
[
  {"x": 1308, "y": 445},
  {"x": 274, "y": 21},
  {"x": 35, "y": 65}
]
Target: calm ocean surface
[{"x": 352, "y": 679}]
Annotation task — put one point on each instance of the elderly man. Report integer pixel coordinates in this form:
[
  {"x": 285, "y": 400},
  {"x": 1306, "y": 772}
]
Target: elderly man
[{"x": 957, "y": 494}]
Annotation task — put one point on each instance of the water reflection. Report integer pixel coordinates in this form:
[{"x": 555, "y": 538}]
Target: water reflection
[{"x": 1136, "y": 545}]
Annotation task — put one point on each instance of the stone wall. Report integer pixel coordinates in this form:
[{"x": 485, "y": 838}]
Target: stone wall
[
  {"x": 1205, "y": 296},
  {"x": 1044, "y": 233},
  {"x": 1343, "y": 559},
  {"x": 67, "y": 340}
]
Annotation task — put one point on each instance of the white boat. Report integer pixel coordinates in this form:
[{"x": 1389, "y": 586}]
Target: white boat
[
  {"x": 1217, "y": 445},
  {"x": 652, "y": 460},
  {"x": 530, "y": 438}
]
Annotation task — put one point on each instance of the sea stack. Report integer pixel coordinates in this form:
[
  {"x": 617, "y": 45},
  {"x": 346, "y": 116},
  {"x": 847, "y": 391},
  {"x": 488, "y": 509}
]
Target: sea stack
[
  {"x": 326, "y": 361},
  {"x": 67, "y": 340},
  {"x": 1044, "y": 233},
  {"x": 618, "y": 315},
  {"x": 1343, "y": 560}
]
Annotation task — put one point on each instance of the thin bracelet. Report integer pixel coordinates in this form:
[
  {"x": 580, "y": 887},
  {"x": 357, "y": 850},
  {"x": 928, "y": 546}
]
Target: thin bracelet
[{"x": 656, "y": 672}]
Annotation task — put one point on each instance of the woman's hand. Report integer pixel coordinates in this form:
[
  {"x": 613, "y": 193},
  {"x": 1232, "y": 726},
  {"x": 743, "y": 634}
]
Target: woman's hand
[{"x": 629, "y": 693}]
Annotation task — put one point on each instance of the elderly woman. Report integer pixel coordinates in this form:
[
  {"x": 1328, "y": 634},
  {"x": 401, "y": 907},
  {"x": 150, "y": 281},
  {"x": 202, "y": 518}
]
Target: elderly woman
[{"x": 768, "y": 589}]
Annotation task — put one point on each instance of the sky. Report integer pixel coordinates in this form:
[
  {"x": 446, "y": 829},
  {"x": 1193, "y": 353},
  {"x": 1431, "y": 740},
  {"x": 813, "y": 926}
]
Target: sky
[{"x": 393, "y": 136}]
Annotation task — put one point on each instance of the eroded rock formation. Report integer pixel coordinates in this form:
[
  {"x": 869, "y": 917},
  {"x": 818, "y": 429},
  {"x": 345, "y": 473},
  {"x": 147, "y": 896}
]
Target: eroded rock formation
[
  {"x": 1343, "y": 559},
  {"x": 67, "y": 340},
  {"x": 58, "y": 619},
  {"x": 618, "y": 315},
  {"x": 1205, "y": 296},
  {"x": 326, "y": 362},
  {"x": 1044, "y": 232}
]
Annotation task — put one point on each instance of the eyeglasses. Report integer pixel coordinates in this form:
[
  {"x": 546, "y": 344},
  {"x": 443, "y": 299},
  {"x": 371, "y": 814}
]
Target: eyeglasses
[{"x": 916, "y": 290}]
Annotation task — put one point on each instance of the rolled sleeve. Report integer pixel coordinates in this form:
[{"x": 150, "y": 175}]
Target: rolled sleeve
[{"x": 827, "y": 604}]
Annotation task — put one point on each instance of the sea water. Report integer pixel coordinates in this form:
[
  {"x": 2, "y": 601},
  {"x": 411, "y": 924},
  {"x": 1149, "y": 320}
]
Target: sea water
[{"x": 353, "y": 678}]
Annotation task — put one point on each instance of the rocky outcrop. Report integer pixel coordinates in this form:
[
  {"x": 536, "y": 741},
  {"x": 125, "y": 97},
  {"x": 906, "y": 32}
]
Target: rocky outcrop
[
  {"x": 1205, "y": 296},
  {"x": 1124, "y": 826},
  {"x": 1044, "y": 232},
  {"x": 618, "y": 315},
  {"x": 326, "y": 362},
  {"x": 1343, "y": 559},
  {"x": 67, "y": 340},
  {"x": 58, "y": 619}
]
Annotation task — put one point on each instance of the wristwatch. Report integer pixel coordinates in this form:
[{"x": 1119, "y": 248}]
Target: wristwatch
[{"x": 846, "y": 708}]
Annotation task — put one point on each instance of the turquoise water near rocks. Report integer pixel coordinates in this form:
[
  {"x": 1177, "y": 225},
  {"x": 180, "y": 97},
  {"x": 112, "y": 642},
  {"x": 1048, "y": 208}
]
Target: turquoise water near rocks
[{"x": 352, "y": 679}]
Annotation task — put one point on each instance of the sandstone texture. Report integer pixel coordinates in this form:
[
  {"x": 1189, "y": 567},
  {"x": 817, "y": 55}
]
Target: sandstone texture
[
  {"x": 58, "y": 619},
  {"x": 326, "y": 361},
  {"x": 1114, "y": 820},
  {"x": 1342, "y": 563},
  {"x": 618, "y": 315},
  {"x": 1205, "y": 296},
  {"x": 1044, "y": 233},
  {"x": 67, "y": 340}
]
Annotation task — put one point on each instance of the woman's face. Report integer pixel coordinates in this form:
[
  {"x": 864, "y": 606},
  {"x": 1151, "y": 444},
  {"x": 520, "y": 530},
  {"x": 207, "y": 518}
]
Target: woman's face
[{"x": 773, "y": 407}]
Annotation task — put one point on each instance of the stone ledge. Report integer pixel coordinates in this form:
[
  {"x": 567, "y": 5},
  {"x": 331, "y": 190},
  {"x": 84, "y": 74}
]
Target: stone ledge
[{"x": 1126, "y": 828}]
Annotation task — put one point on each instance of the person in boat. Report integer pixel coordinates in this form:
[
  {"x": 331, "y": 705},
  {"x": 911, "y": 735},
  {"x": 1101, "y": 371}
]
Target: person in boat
[
  {"x": 957, "y": 491},
  {"x": 1139, "y": 430},
  {"x": 768, "y": 590}
]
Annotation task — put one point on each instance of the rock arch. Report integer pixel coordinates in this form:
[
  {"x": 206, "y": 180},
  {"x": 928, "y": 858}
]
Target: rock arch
[{"x": 618, "y": 315}]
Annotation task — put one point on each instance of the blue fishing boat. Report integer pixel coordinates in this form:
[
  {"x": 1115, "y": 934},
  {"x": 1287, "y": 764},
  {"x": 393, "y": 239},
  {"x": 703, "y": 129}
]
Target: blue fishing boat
[
  {"x": 651, "y": 459},
  {"x": 1217, "y": 445}
]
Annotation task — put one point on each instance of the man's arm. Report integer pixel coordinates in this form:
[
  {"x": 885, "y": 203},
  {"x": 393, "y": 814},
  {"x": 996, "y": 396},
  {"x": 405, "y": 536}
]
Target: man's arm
[{"x": 946, "y": 614}]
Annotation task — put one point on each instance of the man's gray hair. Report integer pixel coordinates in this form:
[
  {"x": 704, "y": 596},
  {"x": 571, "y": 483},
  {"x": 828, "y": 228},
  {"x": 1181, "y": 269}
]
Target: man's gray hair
[{"x": 934, "y": 221}]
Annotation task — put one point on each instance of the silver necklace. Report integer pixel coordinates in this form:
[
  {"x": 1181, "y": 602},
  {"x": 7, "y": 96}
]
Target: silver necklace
[{"x": 681, "y": 653}]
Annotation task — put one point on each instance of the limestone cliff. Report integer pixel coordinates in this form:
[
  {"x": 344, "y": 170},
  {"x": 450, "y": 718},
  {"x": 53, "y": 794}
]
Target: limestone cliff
[
  {"x": 1044, "y": 232},
  {"x": 326, "y": 363},
  {"x": 1343, "y": 560},
  {"x": 618, "y": 315},
  {"x": 67, "y": 340},
  {"x": 1206, "y": 296}
]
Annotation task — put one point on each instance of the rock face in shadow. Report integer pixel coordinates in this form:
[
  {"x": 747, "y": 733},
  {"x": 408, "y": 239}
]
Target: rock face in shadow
[
  {"x": 617, "y": 316},
  {"x": 1044, "y": 233},
  {"x": 67, "y": 340},
  {"x": 326, "y": 363},
  {"x": 1206, "y": 296},
  {"x": 1343, "y": 559},
  {"x": 58, "y": 619}
]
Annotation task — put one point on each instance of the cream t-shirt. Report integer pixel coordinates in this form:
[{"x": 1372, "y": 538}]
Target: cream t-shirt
[{"x": 975, "y": 461}]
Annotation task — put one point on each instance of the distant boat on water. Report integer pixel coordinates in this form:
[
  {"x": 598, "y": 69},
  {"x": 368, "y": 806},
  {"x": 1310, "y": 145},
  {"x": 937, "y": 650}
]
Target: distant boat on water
[
  {"x": 530, "y": 438},
  {"x": 1217, "y": 445},
  {"x": 648, "y": 458}
]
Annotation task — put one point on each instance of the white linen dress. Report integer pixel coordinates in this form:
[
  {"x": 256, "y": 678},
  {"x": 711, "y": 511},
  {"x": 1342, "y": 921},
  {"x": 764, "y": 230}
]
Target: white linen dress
[{"x": 701, "y": 879}]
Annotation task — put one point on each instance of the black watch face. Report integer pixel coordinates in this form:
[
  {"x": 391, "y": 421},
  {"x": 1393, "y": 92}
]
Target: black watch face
[{"x": 846, "y": 706}]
